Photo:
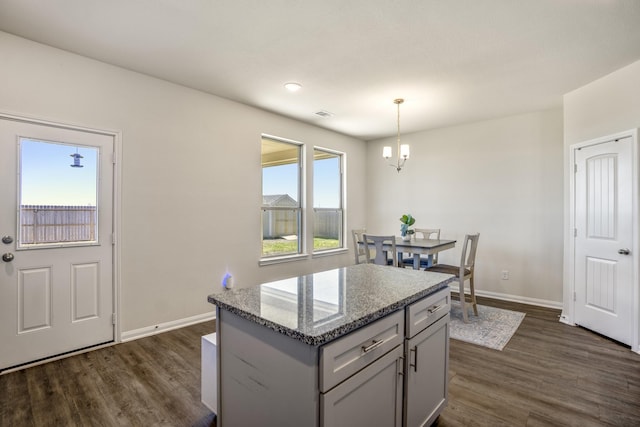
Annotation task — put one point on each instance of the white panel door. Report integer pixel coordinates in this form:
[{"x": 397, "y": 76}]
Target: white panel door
[
  {"x": 56, "y": 224},
  {"x": 603, "y": 241}
]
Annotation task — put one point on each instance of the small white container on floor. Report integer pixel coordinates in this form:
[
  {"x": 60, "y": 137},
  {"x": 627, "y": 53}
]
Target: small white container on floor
[{"x": 209, "y": 373}]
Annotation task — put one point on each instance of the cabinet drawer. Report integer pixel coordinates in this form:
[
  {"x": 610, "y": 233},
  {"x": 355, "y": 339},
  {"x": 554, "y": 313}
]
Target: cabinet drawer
[
  {"x": 347, "y": 355},
  {"x": 423, "y": 313}
]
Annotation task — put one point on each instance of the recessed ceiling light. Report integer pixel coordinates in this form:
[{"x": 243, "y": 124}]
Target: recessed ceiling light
[{"x": 293, "y": 86}]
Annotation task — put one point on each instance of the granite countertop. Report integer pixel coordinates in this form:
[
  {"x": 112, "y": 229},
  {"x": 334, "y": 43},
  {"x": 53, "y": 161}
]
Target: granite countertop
[{"x": 320, "y": 307}]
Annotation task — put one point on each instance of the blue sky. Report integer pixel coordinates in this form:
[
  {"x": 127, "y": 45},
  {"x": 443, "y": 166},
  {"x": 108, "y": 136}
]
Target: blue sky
[
  {"x": 284, "y": 180},
  {"x": 47, "y": 177}
]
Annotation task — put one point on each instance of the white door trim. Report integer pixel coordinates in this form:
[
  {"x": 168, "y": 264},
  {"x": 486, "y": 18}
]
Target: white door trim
[
  {"x": 117, "y": 187},
  {"x": 568, "y": 311}
]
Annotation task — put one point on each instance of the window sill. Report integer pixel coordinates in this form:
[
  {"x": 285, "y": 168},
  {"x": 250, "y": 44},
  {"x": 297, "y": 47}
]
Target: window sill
[
  {"x": 282, "y": 259},
  {"x": 330, "y": 252}
]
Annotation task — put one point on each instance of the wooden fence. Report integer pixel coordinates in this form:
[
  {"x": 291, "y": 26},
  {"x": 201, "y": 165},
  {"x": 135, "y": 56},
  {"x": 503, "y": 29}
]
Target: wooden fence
[
  {"x": 327, "y": 223},
  {"x": 54, "y": 224},
  {"x": 277, "y": 223}
]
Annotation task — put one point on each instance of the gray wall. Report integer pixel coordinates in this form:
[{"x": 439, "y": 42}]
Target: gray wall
[
  {"x": 501, "y": 178},
  {"x": 180, "y": 147}
]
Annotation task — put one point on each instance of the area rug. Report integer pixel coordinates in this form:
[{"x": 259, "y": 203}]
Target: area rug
[{"x": 493, "y": 327}]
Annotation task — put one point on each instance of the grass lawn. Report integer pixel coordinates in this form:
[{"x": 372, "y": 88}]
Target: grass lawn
[{"x": 281, "y": 246}]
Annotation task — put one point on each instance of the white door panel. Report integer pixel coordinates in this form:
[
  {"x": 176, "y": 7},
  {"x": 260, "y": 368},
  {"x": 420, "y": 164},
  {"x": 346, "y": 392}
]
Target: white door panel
[
  {"x": 57, "y": 293},
  {"x": 604, "y": 224},
  {"x": 34, "y": 299}
]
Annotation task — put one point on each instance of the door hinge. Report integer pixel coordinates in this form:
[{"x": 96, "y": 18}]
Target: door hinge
[
  {"x": 113, "y": 238},
  {"x": 575, "y": 232},
  {"x": 574, "y": 296},
  {"x": 113, "y": 318},
  {"x": 113, "y": 157},
  {"x": 575, "y": 168}
]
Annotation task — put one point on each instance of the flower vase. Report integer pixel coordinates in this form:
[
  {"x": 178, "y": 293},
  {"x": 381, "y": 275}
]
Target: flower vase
[{"x": 406, "y": 238}]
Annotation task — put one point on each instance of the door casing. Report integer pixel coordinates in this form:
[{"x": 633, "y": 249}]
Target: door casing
[{"x": 568, "y": 311}]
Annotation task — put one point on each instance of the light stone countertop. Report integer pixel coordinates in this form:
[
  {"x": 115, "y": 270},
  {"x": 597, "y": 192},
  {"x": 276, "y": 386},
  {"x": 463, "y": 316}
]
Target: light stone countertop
[{"x": 320, "y": 307}]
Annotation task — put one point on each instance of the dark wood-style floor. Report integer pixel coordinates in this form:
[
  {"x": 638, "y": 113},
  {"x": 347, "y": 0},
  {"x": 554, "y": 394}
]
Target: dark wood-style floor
[{"x": 549, "y": 374}]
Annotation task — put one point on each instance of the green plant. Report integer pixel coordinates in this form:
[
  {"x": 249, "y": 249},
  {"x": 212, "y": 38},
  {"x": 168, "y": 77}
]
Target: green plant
[{"x": 407, "y": 221}]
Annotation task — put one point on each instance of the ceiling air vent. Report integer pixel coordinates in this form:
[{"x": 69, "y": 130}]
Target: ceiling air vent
[{"x": 324, "y": 114}]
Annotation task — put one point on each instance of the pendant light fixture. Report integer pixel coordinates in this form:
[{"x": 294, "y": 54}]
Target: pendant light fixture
[{"x": 403, "y": 150}]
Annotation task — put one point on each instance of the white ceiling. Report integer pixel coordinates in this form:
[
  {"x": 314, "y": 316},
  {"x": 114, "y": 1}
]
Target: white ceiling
[{"x": 453, "y": 61}]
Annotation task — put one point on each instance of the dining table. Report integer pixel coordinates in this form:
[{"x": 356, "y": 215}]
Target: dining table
[{"x": 418, "y": 247}]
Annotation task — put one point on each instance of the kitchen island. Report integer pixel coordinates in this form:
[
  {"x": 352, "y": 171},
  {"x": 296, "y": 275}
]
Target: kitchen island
[{"x": 359, "y": 345}]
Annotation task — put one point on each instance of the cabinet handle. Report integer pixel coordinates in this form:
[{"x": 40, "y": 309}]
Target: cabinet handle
[
  {"x": 371, "y": 346},
  {"x": 433, "y": 309},
  {"x": 414, "y": 365}
]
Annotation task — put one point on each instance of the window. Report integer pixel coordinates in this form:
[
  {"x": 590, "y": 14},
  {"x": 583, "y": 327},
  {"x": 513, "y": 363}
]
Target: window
[
  {"x": 327, "y": 200},
  {"x": 281, "y": 197},
  {"x": 57, "y": 194}
]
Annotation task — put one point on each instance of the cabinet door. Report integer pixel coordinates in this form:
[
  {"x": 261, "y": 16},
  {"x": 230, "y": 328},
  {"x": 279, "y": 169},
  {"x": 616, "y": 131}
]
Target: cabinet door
[
  {"x": 426, "y": 374},
  {"x": 372, "y": 397}
]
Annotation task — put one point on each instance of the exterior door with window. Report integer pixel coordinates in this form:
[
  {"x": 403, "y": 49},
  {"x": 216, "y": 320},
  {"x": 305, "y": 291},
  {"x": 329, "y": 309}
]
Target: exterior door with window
[
  {"x": 604, "y": 238},
  {"x": 56, "y": 224}
]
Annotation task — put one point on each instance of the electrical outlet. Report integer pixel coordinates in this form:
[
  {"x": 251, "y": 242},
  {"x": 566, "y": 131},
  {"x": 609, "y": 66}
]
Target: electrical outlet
[{"x": 505, "y": 274}]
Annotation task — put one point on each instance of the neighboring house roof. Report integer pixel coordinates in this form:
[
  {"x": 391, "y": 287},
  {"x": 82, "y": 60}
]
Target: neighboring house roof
[{"x": 278, "y": 200}]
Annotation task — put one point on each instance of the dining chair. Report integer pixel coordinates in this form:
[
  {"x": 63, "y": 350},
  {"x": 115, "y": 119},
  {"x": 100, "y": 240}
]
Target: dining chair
[
  {"x": 359, "y": 250},
  {"x": 423, "y": 233},
  {"x": 381, "y": 255},
  {"x": 463, "y": 272}
]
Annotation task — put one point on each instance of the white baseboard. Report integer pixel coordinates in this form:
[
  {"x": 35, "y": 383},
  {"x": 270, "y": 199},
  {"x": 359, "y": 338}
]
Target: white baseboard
[
  {"x": 515, "y": 298},
  {"x": 164, "y": 327}
]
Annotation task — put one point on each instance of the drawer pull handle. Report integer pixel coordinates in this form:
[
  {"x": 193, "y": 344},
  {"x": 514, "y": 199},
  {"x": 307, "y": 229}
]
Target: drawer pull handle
[
  {"x": 371, "y": 346},
  {"x": 433, "y": 309}
]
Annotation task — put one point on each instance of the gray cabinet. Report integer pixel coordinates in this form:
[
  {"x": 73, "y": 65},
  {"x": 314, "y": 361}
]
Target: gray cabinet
[
  {"x": 427, "y": 359},
  {"x": 378, "y": 390},
  {"x": 390, "y": 372},
  {"x": 361, "y": 376},
  {"x": 426, "y": 378},
  {"x": 372, "y": 397}
]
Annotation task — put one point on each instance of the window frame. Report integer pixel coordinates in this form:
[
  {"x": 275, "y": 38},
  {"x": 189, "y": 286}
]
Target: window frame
[
  {"x": 266, "y": 259},
  {"x": 93, "y": 218},
  {"x": 341, "y": 200}
]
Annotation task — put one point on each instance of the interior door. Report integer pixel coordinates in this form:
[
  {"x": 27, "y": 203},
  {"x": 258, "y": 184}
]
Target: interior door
[
  {"x": 56, "y": 225},
  {"x": 603, "y": 239}
]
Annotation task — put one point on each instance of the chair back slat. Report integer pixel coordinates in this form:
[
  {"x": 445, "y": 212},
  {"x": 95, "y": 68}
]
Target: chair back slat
[
  {"x": 430, "y": 233},
  {"x": 381, "y": 255}
]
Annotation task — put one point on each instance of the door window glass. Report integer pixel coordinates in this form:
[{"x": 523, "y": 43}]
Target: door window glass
[{"x": 57, "y": 195}]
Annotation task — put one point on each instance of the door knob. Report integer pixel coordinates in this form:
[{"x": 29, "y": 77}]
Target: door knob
[
  {"x": 624, "y": 251},
  {"x": 7, "y": 240},
  {"x": 8, "y": 257}
]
